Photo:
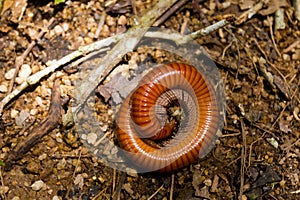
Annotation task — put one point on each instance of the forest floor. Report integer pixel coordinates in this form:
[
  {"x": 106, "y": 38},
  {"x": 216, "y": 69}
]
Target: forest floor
[{"x": 256, "y": 155}]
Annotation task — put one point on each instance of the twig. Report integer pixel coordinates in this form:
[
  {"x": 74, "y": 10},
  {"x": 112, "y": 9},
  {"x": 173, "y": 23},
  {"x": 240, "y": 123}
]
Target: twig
[
  {"x": 94, "y": 53},
  {"x": 74, "y": 172},
  {"x": 212, "y": 27},
  {"x": 172, "y": 187},
  {"x": 292, "y": 46},
  {"x": 117, "y": 191},
  {"x": 249, "y": 13},
  {"x": 20, "y": 59},
  {"x": 153, "y": 195},
  {"x": 100, "y": 25},
  {"x": 114, "y": 181},
  {"x": 39, "y": 131},
  {"x": 243, "y": 158},
  {"x": 169, "y": 12},
  {"x": 251, "y": 146},
  {"x": 2, "y": 184},
  {"x": 272, "y": 36}
]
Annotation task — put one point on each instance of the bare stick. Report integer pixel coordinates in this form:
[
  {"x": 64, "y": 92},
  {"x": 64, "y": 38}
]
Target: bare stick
[
  {"x": 153, "y": 195},
  {"x": 249, "y": 13},
  {"x": 20, "y": 59},
  {"x": 169, "y": 12},
  {"x": 243, "y": 158},
  {"x": 39, "y": 131}
]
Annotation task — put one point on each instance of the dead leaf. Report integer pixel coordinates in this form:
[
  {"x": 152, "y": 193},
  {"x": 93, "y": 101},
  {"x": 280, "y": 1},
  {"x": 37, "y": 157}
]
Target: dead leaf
[
  {"x": 273, "y": 5},
  {"x": 284, "y": 126},
  {"x": 244, "y": 5},
  {"x": 17, "y": 8},
  {"x": 118, "y": 88}
]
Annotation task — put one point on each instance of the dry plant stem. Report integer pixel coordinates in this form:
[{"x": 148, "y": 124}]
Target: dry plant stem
[
  {"x": 211, "y": 28},
  {"x": 94, "y": 53},
  {"x": 117, "y": 192},
  {"x": 2, "y": 184},
  {"x": 243, "y": 158},
  {"x": 153, "y": 195},
  {"x": 39, "y": 131},
  {"x": 20, "y": 59},
  {"x": 74, "y": 172},
  {"x": 272, "y": 36},
  {"x": 100, "y": 25},
  {"x": 114, "y": 181},
  {"x": 292, "y": 46},
  {"x": 295, "y": 192},
  {"x": 249, "y": 13},
  {"x": 169, "y": 12},
  {"x": 172, "y": 187},
  {"x": 296, "y": 4}
]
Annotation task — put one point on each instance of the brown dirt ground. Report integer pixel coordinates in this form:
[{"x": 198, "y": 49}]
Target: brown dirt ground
[{"x": 257, "y": 153}]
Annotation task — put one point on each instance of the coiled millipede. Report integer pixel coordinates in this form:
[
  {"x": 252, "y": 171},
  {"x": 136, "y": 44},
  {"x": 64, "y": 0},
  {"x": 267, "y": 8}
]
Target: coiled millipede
[{"x": 144, "y": 118}]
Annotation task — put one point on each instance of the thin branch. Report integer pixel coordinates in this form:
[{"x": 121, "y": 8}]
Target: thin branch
[
  {"x": 169, "y": 12},
  {"x": 20, "y": 59},
  {"x": 243, "y": 158},
  {"x": 40, "y": 130}
]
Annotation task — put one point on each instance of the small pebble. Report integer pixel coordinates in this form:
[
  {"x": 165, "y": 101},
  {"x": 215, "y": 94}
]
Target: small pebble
[
  {"x": 3, "y": 189},
  {"x": 10, "y": 74},
  {"x": 296, "y": 55},
  {"x": 286, "y": 57},
  {"x": 122, "y": 20},
  {"x": 32, "y": 33},
  {"x": 3, "y": 88},
  {"x": 25, "y": 71},
  {"x": 110, "y": 21},
  {"x": 65, "y": 27},
  {"x": 55, "y": 198},
  {"x": 14, "y": 113},
  {"x": 105, "y": 31},
  {"x": 128, "y": 188},
  {"x": 91, "y": 138},
  {"x": 79, "y": 180},
  {"x": 43, "y": 156},
  {"x": 33, "y": 111},
  {"x": 39, "y": 101},
  {"x": 22, "y": 117},
  {"x": 15, "y": 198},
  {"x": 61, "y": 164},
  {"x": 37, "y": 185},
  {"x": 58, "y": 30},
  {"x": 208, "y": 182}
]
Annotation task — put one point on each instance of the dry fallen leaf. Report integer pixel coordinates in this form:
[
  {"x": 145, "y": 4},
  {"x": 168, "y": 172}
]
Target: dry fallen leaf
[
  {"x": 118, "y": 88},
  {"x": 273, "y": 5},
  {"x": 284, "y": 126}
]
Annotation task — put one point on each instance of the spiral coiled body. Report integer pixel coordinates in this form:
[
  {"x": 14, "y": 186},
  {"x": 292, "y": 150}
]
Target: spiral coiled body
[{"x": 138, "y": 122}]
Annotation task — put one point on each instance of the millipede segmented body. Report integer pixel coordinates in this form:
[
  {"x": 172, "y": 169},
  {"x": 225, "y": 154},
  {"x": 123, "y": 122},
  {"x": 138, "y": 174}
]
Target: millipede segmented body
[{"x": 143, "y": 118}]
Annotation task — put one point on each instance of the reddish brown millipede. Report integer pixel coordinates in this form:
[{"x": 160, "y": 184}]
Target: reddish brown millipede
[{"x": 138, "y": 118}]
